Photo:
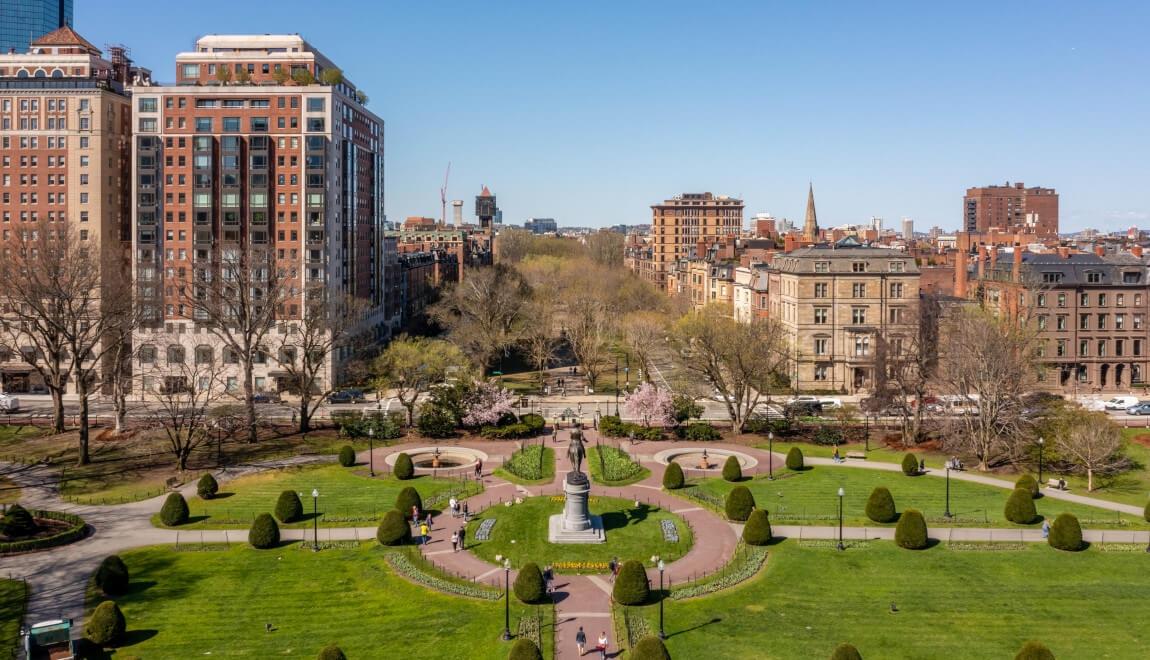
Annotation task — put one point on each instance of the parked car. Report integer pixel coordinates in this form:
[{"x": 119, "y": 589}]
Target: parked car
[
  {"x": 1140, "y": 409},
  {"x": 9, "y": 404},
  {"x": 803, "y": 409},
  {"x": 831, "y": 403},
  {"x": 346, "y": 396},
  {"x": 1121, "y": 403},
  {"x": 265, "y": 397}
]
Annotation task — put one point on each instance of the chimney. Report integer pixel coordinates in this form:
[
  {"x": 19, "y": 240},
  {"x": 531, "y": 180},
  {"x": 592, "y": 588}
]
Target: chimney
[
  {"x": 1017, "y": 263},
  {"x": 981, "y": 261},
  {"x": 1100, "y": 250},
  {"x": 993, "y": 256},
  {"x": 1063, "y": 252},
  {"x": 789, "y": 243},
  {"x": 1136, "y": 250},
  {"x": 960, "y": 274}
]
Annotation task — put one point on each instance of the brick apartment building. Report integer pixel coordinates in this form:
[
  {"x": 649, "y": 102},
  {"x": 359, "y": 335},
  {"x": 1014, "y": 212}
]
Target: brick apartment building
[
  {"x": 1011, "y": 209},
  {"x": 678, "y": 226}
]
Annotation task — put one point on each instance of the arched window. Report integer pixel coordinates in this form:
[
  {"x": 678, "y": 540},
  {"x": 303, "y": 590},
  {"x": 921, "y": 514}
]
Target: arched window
[
  {"x": 204, "y": 354},
  {"x": 57, "y": 73},
  {"x": 40, "y": 73},
  {"x": 22, "y": 73},
  {"x": 176, "y": 354}
]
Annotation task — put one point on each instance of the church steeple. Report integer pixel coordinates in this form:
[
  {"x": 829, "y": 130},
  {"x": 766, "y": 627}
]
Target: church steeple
[{"x": 811, "y": 226}]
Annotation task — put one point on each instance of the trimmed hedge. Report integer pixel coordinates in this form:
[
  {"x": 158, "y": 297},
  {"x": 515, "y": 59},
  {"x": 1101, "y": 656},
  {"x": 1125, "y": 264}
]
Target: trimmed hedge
[
  {"x": 702, "y": 432},
  {"x": 529, "y": 586},
  {"x": 112, "y": 576},
  {"x": 106, "y": 626},
  {"x": 880, "y": 506},
  {"x": 175, "y": 510},
  {"x": 911, "y": 530},
  {"x": 631, "y": 586},
  {"x": 650, "y": 648},
  {"x": 1020, "y": 507},
  {"x": 909, "y": 464},
  {"x": 207, "y": 487},
  {"x": 732, "y": 471},
  {"x": 77, "y": 530},
  {"x": 673, "y": 477},
  {"x": 393, "y": 529},
  {"x": 757, "y": 531},
  {"x": 18, "y": 522},
  {"x": 740, "y": 502},
  {"x": 1034, "y": 651},
  {"x": 407, "y": 498},
  {"x": 1146, "y": 512},
  {"x": 288, "y": 507},
  {"x": 846, "y": 651},
  {"x": 265, "y": 533},
  {"x": 795, "y": 459},
  {"x": 331, "y": 652},
  {"x": 346, "y": 459},
  {"x": 524, "y": 649},
  {"x": 1065, "y": 533},
  {"x": 1028, "y": 482},
  {"x": 404, "y": 469}
]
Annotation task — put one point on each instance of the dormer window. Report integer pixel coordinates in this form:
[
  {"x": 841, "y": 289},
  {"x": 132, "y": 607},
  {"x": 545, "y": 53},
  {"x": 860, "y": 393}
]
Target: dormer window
[
  {"x": 1052, "y": 278},
  {"x": 1131, "y": 277},
  {"x": 1094, "y": 278}
]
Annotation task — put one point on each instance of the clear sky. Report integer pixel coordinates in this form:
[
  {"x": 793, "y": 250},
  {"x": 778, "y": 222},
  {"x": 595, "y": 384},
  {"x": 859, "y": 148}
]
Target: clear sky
[{"x": 589, "y": 112}]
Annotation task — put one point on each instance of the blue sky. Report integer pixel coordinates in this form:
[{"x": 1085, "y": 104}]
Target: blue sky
[{"x": 589, "y": 112}]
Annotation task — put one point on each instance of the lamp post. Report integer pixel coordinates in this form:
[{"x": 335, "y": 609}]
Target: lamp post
[
  {"x": 1041, "y": 446},
  {"x": 371, "y": 450},
  {"x": 506, "y": 600},
  {"x": 948, "y": 514},
  {"x": 866, "y": 430},
  {"x": 315, "y": 519},
  {"x": 616, "y": 385},
  {"x": 662, "y": 635},
  {"x": 770, "y": 456},
  {"x": 841, "y": 493}
]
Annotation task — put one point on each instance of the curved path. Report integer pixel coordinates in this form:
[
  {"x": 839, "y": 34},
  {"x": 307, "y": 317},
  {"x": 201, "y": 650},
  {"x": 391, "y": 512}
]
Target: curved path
[{"x": 58, "y": 577}]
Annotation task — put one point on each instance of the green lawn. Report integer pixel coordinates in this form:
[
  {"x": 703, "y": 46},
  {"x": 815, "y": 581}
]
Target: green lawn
[
  {"x": 810, "y": 497},
  {"x": 877, "y": 454},
  {"x": 620, "y": 462},
  {"x": 951, "y": 603},
  {"x": 520, "y": 532},
  {"x": 216, "y": 603},
  {"x": 9, "y": 491},
  {"x": 13, "y": 595},
  {"x": 348, "y": 497}
]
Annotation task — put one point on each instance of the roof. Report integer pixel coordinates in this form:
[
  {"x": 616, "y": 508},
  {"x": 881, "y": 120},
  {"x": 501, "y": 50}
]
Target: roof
[
  {"x": 485, "y": 193},
  {"x": 65, "y": 36},
  {"x": 1072, "y": 270}
]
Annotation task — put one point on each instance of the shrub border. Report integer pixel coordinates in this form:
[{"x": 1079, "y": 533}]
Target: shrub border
[{"x": 77, "y": 531}]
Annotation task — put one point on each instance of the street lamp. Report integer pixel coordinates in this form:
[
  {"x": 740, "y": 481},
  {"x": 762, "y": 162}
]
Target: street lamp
[
  {"x": 315, "y": 519},
  {"x": 506, "y": 600},
  {"x": 841, "y": 493},
  {"x": 616, "y": 385},
  {"x": 662, "y": 634},
  {"x": 770, "y": 456},
  {"x": 948, "y": 514},
  {"x": 1041, "y": 445},
  {"x": 371, "y": 450},
  {"x": 866, "y": 430}
]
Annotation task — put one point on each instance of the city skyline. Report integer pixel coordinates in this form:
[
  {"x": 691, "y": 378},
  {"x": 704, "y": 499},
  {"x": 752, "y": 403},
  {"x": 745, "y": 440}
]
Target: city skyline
[{"x": 889, "y": 113}]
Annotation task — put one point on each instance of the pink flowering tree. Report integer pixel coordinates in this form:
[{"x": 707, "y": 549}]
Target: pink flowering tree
[
  {"x": 650, "y": 404},
  {"x": 486, "y": 404}
]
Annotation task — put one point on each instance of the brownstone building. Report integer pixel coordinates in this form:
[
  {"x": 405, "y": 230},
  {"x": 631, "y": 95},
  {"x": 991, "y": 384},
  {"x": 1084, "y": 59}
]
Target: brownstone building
[
  {"x": 679, "y": 224},
  {"x": 1011, "y": 209}
]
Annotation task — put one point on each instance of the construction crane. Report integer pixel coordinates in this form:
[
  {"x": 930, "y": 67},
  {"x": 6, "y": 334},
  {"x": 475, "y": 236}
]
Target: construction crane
[{"x": 443, "y": 197}]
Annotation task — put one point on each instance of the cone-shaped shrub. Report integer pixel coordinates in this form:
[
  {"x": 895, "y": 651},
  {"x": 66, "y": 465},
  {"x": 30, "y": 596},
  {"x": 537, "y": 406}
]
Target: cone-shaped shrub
[
  {"x": 346, "y": 459},
  {"x": 1028, "y": 482},
  {"x": 265, "y": 533},
  {"x": 880, "y": 505},
  {"x": 175, "y": 510},
  {"x": 1020, "y": 507},
  {"x": 740, "y": 502},
  {"x": 18, "y": 522},
  {"x": 1065, "y": 533},
  {"x": 631, "y": 586},
  {"x": 650, "y": 648},
  {"x": 732, "y": 471},
  {"x": 1034, "y": 651},
  {"x": 404, "y": 469},
  {"x": 673, "y": 479},
  {"x": 207, "y": 487},
  {"x": 757, "y": 531},
  {"x": 795, "y": 459},
  {"x": 331, "y": 652},
  {"x": 106, "y": 625},
  {"x": 909, "y": 464},
  {"x": 911, "y": 530},
  {"x": 1146, "y": 512},
  {"x": 407, "y": 498},
  {"x": 288, "y": 507},
  {"x": 393, "y": 529},
  {"x": 112, "y": 576},
  {"x": 529, "y": 585},
  {"x": 846, "y": 651},
  {"x": 524, "y": 649}
]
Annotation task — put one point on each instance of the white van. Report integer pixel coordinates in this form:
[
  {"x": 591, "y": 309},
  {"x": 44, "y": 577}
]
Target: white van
[
  {"x": 9, "y": 404},
  {"x": 1120, "y": 403}
]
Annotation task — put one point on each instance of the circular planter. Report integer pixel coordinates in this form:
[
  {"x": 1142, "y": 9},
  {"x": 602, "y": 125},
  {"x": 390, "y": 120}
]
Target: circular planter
[
  {"x": 691, "y": 458},
  {"x": 75, "y": 529},
  {"x": 450, "y": 458}
]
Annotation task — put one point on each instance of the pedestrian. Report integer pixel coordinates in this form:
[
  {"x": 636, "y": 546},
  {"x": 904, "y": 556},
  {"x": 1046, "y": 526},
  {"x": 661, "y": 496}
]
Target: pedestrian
[
  {"x": 478, "y": 468},
  {"x": 602, "y": 645},
  {"x": 455, "y": 541},
  {"x": 429, "y": 521},
  {"x": 611, "y": 566},
  {"x": 454, "y": 505},
  {"x": 581, "y": 641},
  {"x": 1045, "y": 528},
  {"x": 618, "y": 566},
  {"x": 921, "y": 465},
  {"x": 548, "y": 577},
  {"x": 425, "y": 533},
  {"x": 462, "y": 538},
  {"x": 466, "y": 513},
  {"x": 414, "y": 514}
]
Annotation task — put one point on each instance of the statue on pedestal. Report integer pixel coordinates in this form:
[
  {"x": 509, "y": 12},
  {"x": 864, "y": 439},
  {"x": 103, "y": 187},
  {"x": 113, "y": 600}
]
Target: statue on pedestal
[{"x": 576, "y": 524}]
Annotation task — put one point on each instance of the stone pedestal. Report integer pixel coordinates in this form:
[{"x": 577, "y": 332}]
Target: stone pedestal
[{"x": 575, "y": 524}]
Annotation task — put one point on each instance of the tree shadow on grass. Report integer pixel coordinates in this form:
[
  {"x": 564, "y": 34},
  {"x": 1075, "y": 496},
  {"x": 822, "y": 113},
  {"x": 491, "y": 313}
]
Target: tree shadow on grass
[
  {"x": 621, "y": 519},
  {"x": 222, "y": 496},
  {"x": 137, "y": 587},
  {"x": 133, "y": 637},
  {"x": 192, "y": 520},
  {"x": 694, "y": 627}
]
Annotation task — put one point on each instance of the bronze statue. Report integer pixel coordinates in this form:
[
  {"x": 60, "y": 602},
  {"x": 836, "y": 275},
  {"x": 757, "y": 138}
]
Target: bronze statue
[{"x": 575, "y": 451}]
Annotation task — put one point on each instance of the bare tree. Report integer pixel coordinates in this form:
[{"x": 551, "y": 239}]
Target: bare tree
[
  {"x": 605, "y": 248},
  {"x": 237, "y": 297},
  {"x": 905, "y": 366},
  {"x": 1092, "y": 443},
  {"x": 643, "y": 331},
  {"x": 306, "y": 349},
  {"x": 485, "y": 313},
  {"x": 182, "y": 395},
  {"x": 742, "y": 360},
  {"x": 539, "y": 341}
]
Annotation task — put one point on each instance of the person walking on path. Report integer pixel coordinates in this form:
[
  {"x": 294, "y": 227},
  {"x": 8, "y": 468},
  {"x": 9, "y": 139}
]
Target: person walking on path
[
  {"x": 414, "y": 514},
  {"x": 453, "y": 504},
  {"x": 478, "y": 468},
  {"x": 581, "y": 641},
  {"x": 425, "y": 533},
  {"x": 462, "y": 536},
  {"x": 455, "y": 541},
  {"x": 466, "y": 511},
  {"x": 429, "y": 521},
  {"x": 548, "y": 577},
  {"x": 1045, "y": 528},
  {"x": 602, "y": 645},
  {"x": 613, "y": 566}
]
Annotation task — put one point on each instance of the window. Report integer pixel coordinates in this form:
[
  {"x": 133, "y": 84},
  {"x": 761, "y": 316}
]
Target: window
[
  {"x": 1131, "y": 277},
  {"x": 1138, "y": 300},
  {"x": 1118, "y": 346},
  {"x": 203, "y": 124},
  {"x": 1137, "y": 321},
  {"x": 1102, "y": 300},
  {"x": 1042, "y": 300},
  {"x": 315, "y": 124},
  {"x": 1093, "y": 278},
  {"x": 1083, "y": 348},
  {"x": 858, "y": 290},
  {"x": 147, "y": 104},
  {"x": 1062, "y": 300},
  {"x": 821, "y": 345},
  {"x": 1101, "y": 348},
  {"x": 315, "y": 104},
  {"x": 897, "y": 266},
  {"x": 897, "y": 315},
  {"x": 175, "y": 354},
  {"x": 147, "y": 354},
  {"x": 1084, "y": 300},
  {"x": 191, "y": 70},
  {"x": 858, "y": 267},
  {"x": 231, "y": 125},
  {"x": 1061, "y": 348},
  {"x": 858, "y": 315},
  {"x": 204, "y": 354},
  {"x": 1061, "y": 324},
  {"x": 821, "y": 371},
  {"x": 1137, "y": 347},
  {"x": 821, "y": 315},
  {"x": 147, "y": 124},
  {"x": 232, "y": 384},
  {"x": 1120, "y": 299},
  {"x": 259, "y": 124},
  {"x": 1102, "y": 321},
  {"x": 1083, "y": 321},
  {"x": 1042, "y": 322},
  {"x": 862, "y": 345},
  {"x": 1119, "y": 321},
  {"x": 896, "y": 290},
  {"x": 820, "y": 289}
]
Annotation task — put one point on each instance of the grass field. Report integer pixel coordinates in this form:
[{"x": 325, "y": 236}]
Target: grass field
[
  {"x": 520, "y": 532},
  {"x": 346, "y": 497},
  {"x": 810, "y": 497},
  {"x": 951, "y": 603},
  {"x": 216, "y": 603},
  {"x": 13, "y": 595}
]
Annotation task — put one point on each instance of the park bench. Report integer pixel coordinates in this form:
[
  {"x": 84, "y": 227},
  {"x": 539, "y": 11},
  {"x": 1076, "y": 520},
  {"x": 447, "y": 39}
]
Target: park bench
[
  {"x": 857, "y": 454},
  {"x": 1057, "y": 484},
  {"x": 173, "y": 483}
]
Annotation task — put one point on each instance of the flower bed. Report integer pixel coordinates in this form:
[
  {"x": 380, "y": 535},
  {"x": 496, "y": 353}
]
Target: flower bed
[
  {"x": 747, "y": 562},
  {"x": 484, "y": 531},
  {"x": 401, "y": 563},
  {"x": 616, "y": 465},
  {"x": 670, "y": 532},
  {"x": 601, "y": 566},
  {"x": 530, "y": 463},
  {"x": 75, "y": 530}
]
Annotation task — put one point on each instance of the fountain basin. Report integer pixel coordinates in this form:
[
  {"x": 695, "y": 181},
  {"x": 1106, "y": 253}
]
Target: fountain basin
[{"x": 449, "y": 458}]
